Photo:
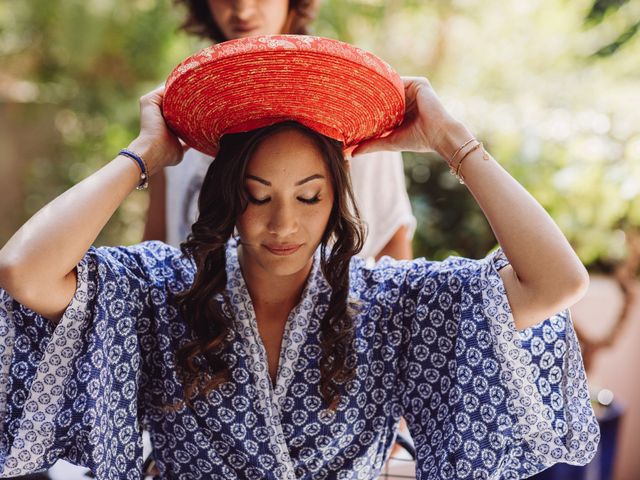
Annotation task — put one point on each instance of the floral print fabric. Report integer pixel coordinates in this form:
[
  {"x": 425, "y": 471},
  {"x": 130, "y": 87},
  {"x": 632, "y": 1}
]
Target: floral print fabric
[{"x": 434, "y": 342}]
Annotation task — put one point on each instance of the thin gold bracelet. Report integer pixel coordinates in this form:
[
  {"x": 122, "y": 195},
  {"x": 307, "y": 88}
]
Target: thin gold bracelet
[
  {"x": 485, "y": 156},
  {"x": 472, "y": 149},
  {"x": 453, "y": 157}
]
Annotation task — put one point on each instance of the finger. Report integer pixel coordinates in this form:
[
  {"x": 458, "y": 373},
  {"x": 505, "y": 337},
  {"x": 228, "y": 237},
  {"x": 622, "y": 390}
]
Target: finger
[
  {"x": 375, "y": 145},
  {"x": 154, "y": 97},
  {"x": 157, "y": 95},
  {"x": 414, "y": 81}
]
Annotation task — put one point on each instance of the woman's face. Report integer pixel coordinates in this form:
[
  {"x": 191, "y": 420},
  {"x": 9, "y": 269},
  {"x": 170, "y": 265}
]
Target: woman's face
[
  {"x": 245, "y": 18},
  {"x": 290, "y": 201}
]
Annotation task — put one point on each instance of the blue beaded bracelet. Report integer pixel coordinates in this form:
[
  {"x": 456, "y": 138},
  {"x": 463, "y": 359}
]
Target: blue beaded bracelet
[{"x": 144, "y": 177}]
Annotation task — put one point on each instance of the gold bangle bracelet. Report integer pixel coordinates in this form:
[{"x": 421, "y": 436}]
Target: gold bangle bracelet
[
  {"x": 485, "y": 156},
  {"x": 453, "y": 157},
  {"x": 472, "y": 149}
]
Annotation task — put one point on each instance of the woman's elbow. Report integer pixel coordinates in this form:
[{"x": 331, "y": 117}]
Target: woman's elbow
[
  {"x": 573, "y": 287},
  {"x": 581, "y": 282},
  {"x": 7, "y": 271},
  {"x": 555, "y": 296},
  {"x": 17, "y": 280}
]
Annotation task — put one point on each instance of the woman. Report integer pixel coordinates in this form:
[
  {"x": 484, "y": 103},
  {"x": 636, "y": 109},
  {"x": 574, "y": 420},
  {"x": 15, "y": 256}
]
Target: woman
[
  {"x": 378, "y": 178},
  {"x": 273, "y": 353}
]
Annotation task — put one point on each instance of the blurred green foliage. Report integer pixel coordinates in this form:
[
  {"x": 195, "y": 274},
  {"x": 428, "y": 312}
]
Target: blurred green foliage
[
  {"x": 601, "y": 10},
  {"x": 528, "y": 77},
  {"x": 92, "y": 60}
]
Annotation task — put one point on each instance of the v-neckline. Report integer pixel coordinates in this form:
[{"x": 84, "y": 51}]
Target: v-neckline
[
  {"x": 295, "y": 329},
  {"x": 269, "y": 397}
]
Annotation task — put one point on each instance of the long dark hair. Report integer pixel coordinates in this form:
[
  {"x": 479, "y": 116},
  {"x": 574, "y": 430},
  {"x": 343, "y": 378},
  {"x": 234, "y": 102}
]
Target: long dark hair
[
  {"x": 200, "y": 22},
  {"x": 222, "y": 200}
]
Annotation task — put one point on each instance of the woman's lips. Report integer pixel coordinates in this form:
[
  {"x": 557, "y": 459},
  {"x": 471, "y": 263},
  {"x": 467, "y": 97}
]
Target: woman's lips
[{"x": 283, "y": 250}]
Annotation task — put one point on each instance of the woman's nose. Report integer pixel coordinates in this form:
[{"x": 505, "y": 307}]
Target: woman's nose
[{"x": 283, "y": 220}]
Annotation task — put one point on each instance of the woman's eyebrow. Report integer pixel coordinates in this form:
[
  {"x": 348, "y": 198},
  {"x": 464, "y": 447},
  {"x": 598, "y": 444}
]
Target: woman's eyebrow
[
  {"x": 308, "y": 179},
  {"x": 258, "y": 179},
  {"x": 300, "y": 182}
]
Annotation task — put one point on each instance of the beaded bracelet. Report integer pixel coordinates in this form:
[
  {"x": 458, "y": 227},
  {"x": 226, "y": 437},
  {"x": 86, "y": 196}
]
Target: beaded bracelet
[{"x": 144, "y": 177}]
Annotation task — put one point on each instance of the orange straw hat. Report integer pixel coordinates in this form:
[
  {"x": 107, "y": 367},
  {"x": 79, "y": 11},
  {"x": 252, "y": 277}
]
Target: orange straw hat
[{"x": 332, "y": 87}]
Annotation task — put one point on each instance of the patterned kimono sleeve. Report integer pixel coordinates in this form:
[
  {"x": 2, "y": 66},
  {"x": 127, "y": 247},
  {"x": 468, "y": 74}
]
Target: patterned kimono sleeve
[
  {"x": 70, "y": 391},
  {"x": 483, "y": 400}
]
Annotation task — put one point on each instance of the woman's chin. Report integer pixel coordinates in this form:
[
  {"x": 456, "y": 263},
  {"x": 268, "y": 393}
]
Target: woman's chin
[
  {"x": 278, "y": 263},
  {"x": 286, "y": 265}
]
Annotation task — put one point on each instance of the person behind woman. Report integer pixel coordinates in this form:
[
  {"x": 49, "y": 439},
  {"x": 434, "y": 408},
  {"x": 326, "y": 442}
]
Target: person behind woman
[
  {"x": 377, "y": 178},
  {"x": 274, "y": 353}
]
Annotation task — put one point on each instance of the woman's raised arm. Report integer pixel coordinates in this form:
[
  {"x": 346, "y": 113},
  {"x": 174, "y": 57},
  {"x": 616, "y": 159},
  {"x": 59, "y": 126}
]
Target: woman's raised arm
[
  {"x": 37, "y": 265},
  {"x": 545, "y": 275}
]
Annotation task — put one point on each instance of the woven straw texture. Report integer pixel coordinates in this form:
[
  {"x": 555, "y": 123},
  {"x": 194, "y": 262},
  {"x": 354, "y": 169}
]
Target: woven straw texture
[{"x": 332, "y": 87}]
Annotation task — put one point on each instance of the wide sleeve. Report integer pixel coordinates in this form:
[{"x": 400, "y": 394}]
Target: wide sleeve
[
  {"x": 70, "y": 391},
  {"x": 482, "y": 399}
]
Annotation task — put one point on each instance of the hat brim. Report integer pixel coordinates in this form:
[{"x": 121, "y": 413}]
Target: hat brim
[{"x": 332, "y": 87}]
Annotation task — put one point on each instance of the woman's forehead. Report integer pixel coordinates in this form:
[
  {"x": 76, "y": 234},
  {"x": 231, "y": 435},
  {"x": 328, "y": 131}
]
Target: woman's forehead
[{"x": 287, "y": 154}]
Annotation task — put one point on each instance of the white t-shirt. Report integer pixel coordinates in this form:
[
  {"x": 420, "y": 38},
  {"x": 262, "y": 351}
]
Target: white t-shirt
[{"x": 378, "y": 184}]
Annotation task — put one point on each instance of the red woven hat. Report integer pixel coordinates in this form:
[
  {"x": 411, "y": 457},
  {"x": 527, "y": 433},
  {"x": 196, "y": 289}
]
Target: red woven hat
[{"x": 329, "y": 86}]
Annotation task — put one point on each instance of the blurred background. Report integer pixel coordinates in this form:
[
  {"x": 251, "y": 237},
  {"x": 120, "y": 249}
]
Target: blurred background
[{"x": 551, "y": 86}]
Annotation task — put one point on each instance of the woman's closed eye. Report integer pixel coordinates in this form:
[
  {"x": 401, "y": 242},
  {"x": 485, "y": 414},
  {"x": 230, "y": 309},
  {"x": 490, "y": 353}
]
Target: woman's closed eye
[
  {"x": 307, "y": 200},
  {"x": 258, "y": 201},
  {"x": 312, "y": 200}
]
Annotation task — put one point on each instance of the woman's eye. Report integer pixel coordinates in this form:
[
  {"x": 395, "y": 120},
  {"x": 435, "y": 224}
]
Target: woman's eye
[
  {"x": 258, "y": 201},
  {"x": 312, "y": 200}
]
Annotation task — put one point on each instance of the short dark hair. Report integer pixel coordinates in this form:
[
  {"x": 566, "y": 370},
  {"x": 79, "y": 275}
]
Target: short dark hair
[{"x": 200, "y": 22}]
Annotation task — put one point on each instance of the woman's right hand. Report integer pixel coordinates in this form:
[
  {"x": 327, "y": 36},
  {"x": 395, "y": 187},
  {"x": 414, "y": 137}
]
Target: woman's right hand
[
  {"x": 158, "y": 146},
  {"x": 38, "y": 263}
]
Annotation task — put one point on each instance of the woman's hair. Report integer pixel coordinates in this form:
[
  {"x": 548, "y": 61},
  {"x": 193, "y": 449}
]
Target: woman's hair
[
  {"x": 200, "y": 22},
  {"x": 223, "y": 199}
]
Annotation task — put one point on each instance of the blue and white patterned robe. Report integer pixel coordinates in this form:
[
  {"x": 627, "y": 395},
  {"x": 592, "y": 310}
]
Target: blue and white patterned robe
[{"x": 435, "y": 343}]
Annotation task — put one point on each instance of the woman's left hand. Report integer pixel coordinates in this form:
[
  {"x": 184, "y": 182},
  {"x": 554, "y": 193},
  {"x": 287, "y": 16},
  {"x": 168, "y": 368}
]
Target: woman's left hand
[
  {"x": 544, "y": 276},
  {"x": 425, "y": 124}
]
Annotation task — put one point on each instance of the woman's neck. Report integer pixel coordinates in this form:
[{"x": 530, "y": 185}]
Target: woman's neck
[{"x": 273, "y": 292}]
